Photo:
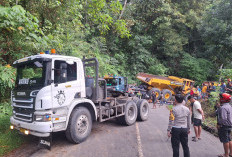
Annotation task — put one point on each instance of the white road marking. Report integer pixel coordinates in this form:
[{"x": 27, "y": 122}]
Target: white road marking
[{"x": 139, "y": 141}]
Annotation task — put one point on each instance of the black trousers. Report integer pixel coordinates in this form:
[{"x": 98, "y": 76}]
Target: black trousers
[{"x": 180, "y": 135}]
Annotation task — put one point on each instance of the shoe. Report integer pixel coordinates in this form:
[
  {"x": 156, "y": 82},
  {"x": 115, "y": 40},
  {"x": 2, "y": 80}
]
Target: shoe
[
  {"x": 194, "y": 139},
  {"x": 222, "y": 155}
]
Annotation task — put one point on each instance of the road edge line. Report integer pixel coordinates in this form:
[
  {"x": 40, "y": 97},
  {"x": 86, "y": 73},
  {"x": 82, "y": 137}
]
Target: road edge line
[{"x": 139, "y": 141}]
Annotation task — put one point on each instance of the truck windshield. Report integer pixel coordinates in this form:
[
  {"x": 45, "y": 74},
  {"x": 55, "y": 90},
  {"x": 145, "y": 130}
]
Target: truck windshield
[
  {"x": 111, "y": 82},
  {"x": 30, "y": 75}
]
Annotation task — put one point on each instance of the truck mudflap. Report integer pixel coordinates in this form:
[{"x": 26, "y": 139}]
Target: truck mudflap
[
  {"x": 39, "y": 129},
  {"x": 46, "y": 142}
]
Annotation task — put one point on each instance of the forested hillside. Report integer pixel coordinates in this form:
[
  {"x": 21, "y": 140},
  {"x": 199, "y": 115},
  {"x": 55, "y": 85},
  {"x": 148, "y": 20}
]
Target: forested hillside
[{"x": 188, "y": 38}]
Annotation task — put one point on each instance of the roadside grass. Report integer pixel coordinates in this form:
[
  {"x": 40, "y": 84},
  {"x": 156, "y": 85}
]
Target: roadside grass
[
  {"x": 9, "y": 140},
  {"x": 210, "y": 122}
]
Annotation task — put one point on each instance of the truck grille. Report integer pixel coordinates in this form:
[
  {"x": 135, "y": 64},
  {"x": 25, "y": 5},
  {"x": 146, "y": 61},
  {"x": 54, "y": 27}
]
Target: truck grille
[{"x": 23, "y": 109}]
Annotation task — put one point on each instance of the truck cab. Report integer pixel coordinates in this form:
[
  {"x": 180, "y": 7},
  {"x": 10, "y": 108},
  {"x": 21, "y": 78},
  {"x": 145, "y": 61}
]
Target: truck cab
[
  {"x": 116, "y": 84},
  {"x": 45, "y": 88}
]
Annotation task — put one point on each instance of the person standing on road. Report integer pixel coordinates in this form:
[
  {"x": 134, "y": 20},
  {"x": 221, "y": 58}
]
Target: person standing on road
[
  {"x": 224, "y": 124},
  {"x": 213, "y": 88},
  {"x": 198, "y": 115},
  {"x": 191, "y": 91},
  {"x": 199, "y": 92},
  {"x": 204, "y": 91},
  {"x": 229, "y": 87},
  {"x": 153, "y": 98},
  {"x": 222, "y": 87},
  {"x": 162, "y": 101},
  {"x": 139, "y": 95},
  {"x": 179, "y": 126}
]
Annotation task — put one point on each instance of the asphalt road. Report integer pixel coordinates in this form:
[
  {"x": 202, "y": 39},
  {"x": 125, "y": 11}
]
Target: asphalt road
[{"x": 144, "y": 139}]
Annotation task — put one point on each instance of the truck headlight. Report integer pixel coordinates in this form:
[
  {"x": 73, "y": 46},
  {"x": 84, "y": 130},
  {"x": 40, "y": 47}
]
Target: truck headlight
[
  {"x": 34, "y": 93},
  {"x": 12, "y": 127},
  {"x": 43, "y": 118}
]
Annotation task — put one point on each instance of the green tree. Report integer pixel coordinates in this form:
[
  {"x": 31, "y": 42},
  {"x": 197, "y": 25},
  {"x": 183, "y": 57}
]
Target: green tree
[
  {"x": 20, "y": 34},
  {"x": 216, "y": 30}
]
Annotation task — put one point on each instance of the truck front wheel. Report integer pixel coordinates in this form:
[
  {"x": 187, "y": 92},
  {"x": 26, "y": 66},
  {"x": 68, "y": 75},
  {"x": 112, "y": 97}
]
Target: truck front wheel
[{"x": 79, "y": 126}]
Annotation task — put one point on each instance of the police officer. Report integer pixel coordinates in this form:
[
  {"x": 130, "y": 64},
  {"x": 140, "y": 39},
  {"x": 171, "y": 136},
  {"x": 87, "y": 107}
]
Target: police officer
[{"x": 179, "y": 126}]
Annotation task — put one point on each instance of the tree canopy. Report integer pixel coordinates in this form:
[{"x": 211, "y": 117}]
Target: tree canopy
[{"x": 188, "y": 38}]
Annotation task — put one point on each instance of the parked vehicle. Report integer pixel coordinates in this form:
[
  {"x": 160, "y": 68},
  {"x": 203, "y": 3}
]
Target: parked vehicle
[
  {"x": 55, "y": 93},
  {"x": 167, "y": 86},
  {"x": 116, "y": 85}
]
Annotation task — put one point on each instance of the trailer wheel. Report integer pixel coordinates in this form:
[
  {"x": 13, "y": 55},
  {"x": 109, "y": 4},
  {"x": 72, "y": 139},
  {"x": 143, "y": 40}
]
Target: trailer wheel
[
  {"x": 167, "y": 95},
  {"x": 79, "y": 126},
  {"x": 131, "y": 113},
  {"x": 157, "y": 92},
  {"x": 143, "y": 110},
  {"x": 135, "y": 99}
]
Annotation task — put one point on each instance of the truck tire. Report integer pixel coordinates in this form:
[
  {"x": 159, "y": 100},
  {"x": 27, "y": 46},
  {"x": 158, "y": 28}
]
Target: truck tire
[
  {"x": 79, "y": 126},
  {"x": 157, "y": 92},
  {"x": 131, "y": 113},
  {"x": 186, "y": 97},
  {"x": 143, "y": 110},
  {"x": 167, "y": 95},
  {"x": 135, "y": 99}
]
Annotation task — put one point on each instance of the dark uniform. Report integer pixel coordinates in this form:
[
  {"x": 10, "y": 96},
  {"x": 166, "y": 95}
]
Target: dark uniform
[
  {"x": 153, "y": 97},
  {"x": 225, "y": 122}
]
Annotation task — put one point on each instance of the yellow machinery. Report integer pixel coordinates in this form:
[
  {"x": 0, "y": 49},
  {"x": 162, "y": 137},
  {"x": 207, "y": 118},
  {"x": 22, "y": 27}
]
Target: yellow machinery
[{"x": 166, "y": 86}]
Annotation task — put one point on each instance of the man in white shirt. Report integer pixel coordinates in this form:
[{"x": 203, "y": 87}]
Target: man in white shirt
[{"x": 198, "y": 115}]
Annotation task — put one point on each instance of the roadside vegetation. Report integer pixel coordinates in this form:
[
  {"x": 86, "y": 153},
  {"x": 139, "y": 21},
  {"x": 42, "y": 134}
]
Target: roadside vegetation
[
  {"x": 210, "y": 121},
  {"x": 190, "y": 39},
  {"x": 9, "y": 139}
]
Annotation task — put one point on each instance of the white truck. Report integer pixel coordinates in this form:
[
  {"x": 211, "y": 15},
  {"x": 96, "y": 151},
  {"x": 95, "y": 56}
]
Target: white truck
[{"x": 54, "y": 93}]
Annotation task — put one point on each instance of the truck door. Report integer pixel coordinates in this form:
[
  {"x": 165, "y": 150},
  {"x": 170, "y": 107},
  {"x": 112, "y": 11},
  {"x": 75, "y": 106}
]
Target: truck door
[
  {"x": 66, "y": 85},
  {"x": 121, "y": 84}
]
